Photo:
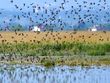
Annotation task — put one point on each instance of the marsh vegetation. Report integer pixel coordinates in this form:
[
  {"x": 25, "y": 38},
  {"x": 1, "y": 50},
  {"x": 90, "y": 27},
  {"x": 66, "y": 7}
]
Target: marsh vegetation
[
  {"x": 56, "y": 49},
  {"x": 39, "y": 47}
]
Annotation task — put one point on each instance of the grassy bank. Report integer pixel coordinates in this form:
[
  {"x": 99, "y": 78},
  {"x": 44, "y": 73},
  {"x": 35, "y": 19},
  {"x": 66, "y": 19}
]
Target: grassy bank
[{"x": 56, "y": 49}]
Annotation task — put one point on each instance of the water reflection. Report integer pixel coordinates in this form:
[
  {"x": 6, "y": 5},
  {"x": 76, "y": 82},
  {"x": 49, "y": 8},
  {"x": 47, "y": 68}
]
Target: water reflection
[{"x": 59, "y": 74}]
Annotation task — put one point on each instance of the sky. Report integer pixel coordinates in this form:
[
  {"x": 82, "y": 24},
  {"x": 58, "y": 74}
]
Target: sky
[
  {"x": 8, "y": 6},
  {"x": 5, "y": 4}
]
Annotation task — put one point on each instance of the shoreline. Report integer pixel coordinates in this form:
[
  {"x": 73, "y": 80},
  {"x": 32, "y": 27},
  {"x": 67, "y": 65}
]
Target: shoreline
[{"x": 75, "y": 60}]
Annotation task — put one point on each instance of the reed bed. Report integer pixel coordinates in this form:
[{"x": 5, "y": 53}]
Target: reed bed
[{"x": 56, "y": 49}]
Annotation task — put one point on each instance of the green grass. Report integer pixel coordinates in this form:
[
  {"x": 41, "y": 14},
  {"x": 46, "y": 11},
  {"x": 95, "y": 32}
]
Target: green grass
[{"x": 56, "y": 49}]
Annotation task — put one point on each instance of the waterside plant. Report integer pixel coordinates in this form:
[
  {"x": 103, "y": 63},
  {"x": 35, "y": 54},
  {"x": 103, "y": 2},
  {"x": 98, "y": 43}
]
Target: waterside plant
[{"x": 55, "y": 49}]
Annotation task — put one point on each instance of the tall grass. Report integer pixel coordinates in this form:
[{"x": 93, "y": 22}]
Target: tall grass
[{"x": 34, "y": 49}]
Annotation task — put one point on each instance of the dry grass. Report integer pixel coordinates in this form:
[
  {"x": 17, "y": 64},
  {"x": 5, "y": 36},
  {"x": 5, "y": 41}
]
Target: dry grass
[{"x": 70, "y": 36}]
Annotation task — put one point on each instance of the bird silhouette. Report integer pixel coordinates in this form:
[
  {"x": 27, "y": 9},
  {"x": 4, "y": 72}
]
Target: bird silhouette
[
  {"x": 11, "y": 1},
  {"x": 50, "y": 15}
]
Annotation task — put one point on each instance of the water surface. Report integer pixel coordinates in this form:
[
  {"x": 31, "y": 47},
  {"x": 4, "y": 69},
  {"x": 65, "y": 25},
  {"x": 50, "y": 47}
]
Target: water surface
[{"x": 58, "y": 74}]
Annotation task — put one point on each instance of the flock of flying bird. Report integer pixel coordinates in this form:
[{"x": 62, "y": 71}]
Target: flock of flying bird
[{"x": 50, "y": 15}]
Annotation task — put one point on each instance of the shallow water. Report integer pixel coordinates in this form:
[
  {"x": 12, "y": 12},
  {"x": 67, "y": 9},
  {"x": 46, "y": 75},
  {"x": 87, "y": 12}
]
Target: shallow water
[{"x": 58, "y": 74}]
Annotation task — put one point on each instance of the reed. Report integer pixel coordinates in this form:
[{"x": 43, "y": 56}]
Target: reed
[{"x": 45, "y": 49}]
